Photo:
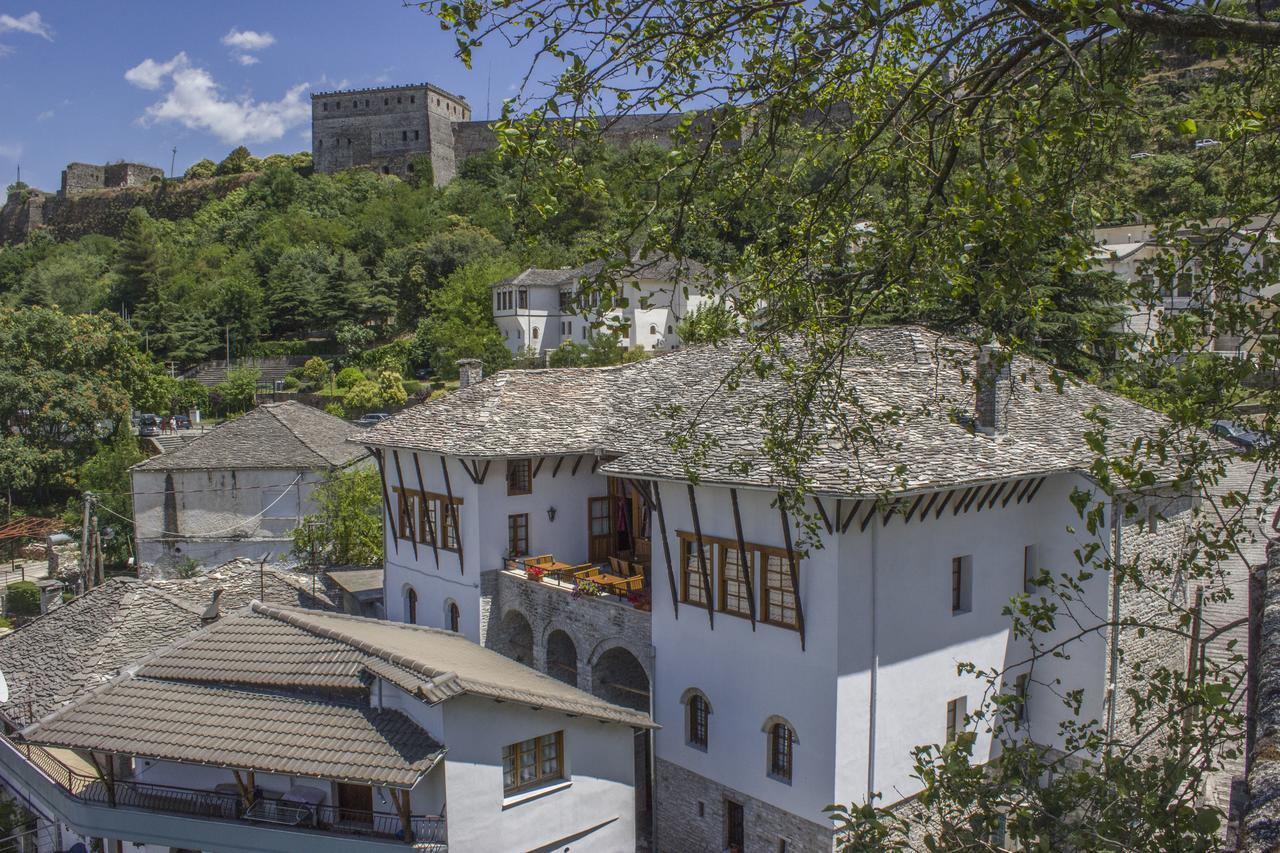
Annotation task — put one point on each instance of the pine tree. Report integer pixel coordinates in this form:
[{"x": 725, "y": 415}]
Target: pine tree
[{"x": 138, "y": 263}]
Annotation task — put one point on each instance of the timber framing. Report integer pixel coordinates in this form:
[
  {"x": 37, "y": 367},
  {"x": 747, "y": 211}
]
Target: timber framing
[
  {"x": 795, "y": 569},
  {"x": 708, "y": 589},
  {"x": 413, "y": 533},
  {"x": 556, "y": 470},
  {"x": 452, "y": 509},
  {"x": 431, "y": 525},
  {"x": 822, "y": 511},
  {"x": 747, "y": 571},
  {"x": 666, "y": 549},
  {"x": 376, "y": 452}
]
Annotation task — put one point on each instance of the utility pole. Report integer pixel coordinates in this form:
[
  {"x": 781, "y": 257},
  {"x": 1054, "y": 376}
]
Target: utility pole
[
  {"x": 172, "y": 160},
  {"x": 85, "y": 543},
  {"x": 228, "y": 346}
]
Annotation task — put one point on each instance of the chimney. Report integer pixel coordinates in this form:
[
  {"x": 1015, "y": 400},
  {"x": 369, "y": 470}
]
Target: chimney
[
  {"x": 994, "y": 389},
  {"x": 470, "y": 371},
  {"x": 213, "y": 611}
]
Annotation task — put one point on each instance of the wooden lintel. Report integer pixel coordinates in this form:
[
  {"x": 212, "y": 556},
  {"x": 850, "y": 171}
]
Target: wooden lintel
[
  {"x": 853, "y": 512},
  {"x": 431, "y": 523},
  {"x": 924, "y": 513},
  {"x": 386, "y": 498},
  {"x": 911, "y": 512},
  {"x": 747, "y": 574},
  {"x": 707, "y": 589},
  {"x": 537, "y": 468},
  {"x": 795, "y": 569},
  {"x": 1026, "y": 489},
  {"x": 1034, "y": 491},
  {"x": 576, "y": 463},
  {"x": 955, "y": 510},
  {"x": 413, "y": 533},
  {"x": 822, "y": 511},
  {"x": 937, "y": 513},
  {"x": 666, "y": 550},
  {"x": 556, "y": 470},
  {"x": 452, "y": 509},
  {"x": 871, "y": 513},
  {"x": 1009, "y": 495}
]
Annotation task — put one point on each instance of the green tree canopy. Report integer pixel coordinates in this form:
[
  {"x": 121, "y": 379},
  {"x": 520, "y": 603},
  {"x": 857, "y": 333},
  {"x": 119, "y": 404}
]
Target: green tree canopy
[{"x": 346, "y": 528}]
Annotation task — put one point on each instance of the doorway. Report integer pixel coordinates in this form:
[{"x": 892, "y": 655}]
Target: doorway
[
  {"x": 735, "y": 828},
  {"x": 355, "y": 803}
]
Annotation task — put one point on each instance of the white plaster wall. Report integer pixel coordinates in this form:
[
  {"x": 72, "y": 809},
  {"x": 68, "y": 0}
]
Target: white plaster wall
[
  {"x": 595, "y": 812},
  {"x": 483, "y": 517}
]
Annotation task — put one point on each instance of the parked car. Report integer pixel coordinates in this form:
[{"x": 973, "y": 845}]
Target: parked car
[
  {"x": 148, "y": 425},
  {"x": 1141, "y": 155},
  {"x": 372, "y": 418},
  {"x": 182, "y": 421},
  {"x": 1206, "y": 143},
  {"x": 1239, "y": 435}
]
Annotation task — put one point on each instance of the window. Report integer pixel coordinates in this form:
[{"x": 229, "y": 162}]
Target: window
[
  {"x": 404, "y": 136},
  {"x": 782, "y": 740},
  {"x": 653, "y": 330},
  {"x": 415, "y": 135},
  {"x": 355, "y": 105},
  {"x": 777, "y": 596},
  {"x": 566, "y": 301},
  {"x": 397, "y": 99},
  {"x": 337, "y": 105},
  {"x": 961, "y": 583},
  {"x": 455, "y": 617},
  {"x": 413, "y": 99},
  {"x": 733, "y": 582},
  {"x": 568, "y": 329},
  {"x": 518, "y": 534},
  {"x": 366, "y": 102},
  {"x": 699, "y": 711},
  {"x": 955, "y": 717},
  {"x": 693, "y": 590},
  {"x": 325, "y": 106},
  {"x": 432, "y": 519},
  {"x": 522, "y": 298},
  {"x": 668, "y": 328},
  {"x": 584, "y": 333},
  {"x": 519, "y": 476},
  {"x": 1030, "y": 568},
  {"x": 386, "y": 102},
  {"x": 532, "y": 762},
  {"x": 411, "y": 606},
  {"x": 319, "y": 143}
]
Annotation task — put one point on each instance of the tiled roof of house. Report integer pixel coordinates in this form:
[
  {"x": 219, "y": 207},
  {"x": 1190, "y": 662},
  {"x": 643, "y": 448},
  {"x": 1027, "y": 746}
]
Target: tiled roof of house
[
  {"x": 273, "y": 435},
  {"x": 86, "y": 642},
  {"x": 658, "y": 267},
  {"x": 298, "y": 735},
  {"x": 285, "y": 690},
  {"x": 916, "y": 380},
  {"x": 356, "y": 581}
]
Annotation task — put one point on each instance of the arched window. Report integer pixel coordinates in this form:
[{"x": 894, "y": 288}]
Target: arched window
[
  {"x": 411, "y": 606},
  {"x": 697, "y": 718},
  {"x": 455, "y": 617},
  {"x": 782, "y": 742},
  {"x": 535, "y": 333},
  {"x": 668, "y": 328},
  {"x": 653, "y": 330}
]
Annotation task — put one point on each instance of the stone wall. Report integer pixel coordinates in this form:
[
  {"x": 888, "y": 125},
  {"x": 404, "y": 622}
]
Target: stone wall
[
  {"x": 82, "y": 178},
  {"x": 690, "y": 818},
  {"x": 1260, "y": 826},
  {"x": 115, "y": 175}
]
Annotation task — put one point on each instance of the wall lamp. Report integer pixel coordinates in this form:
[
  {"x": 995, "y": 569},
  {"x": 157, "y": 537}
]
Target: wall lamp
[{"x": 551, "y": 513}]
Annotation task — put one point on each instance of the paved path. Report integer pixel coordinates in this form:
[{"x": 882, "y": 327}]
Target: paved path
[{"x": 1243, "y": 477}]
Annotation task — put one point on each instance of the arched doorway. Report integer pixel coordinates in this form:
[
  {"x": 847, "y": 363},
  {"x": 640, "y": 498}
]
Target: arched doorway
[
  {"x": 453, "y": 616},
  {"x": 411, "y": 606},
  {"x": 515, "y": 638},
  {"x": 618, "y": 677},
  {"x": 562, "y": 658}
]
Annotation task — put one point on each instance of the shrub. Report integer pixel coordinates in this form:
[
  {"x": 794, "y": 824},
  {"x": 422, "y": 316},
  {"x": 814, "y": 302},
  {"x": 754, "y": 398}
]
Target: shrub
[
  {"x": 349, "y": 376},
  {"x": 187, "y": 568},
  {"x": 315, "y": 372},
  {"x": 335, "y": 409},
  {"x": 361, "y": 397},
  {"x": 23, "y": 599}
]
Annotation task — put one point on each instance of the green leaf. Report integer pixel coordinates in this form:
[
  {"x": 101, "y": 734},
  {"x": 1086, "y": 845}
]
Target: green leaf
[{"x": 1187, "y": 127}]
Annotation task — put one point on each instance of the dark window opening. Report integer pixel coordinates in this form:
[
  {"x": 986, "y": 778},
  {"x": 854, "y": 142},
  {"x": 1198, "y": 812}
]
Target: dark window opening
[{"x": 781, "y": 745}]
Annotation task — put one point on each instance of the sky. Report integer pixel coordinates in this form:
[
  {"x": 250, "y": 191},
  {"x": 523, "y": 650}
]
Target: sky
[{"x": 96, "y": 82}]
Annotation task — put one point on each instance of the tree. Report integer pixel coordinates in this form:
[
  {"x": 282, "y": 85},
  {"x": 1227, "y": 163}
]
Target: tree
[
  {"x": 353, "y": 338},
  {"x": 459, "y": 322},
  {"x": 947, "y": 163},
  {"x": 709, "y": 323},
  {"x": 315, "y": 372},
  {"x": 237, "y": 394},
  {"x": 201, "y": 169},
  {"x": 348, "y": 376},
  {"x": 237, "y": 162},
  {"x": 391, "y": 391},
  {"x": 346, "y": 528},
  {"x": 106, "y": 474},
  {"x": 23, "y": 598},
  {"x": 137, "y": 272},
  {"x": 364, "y": 396}
]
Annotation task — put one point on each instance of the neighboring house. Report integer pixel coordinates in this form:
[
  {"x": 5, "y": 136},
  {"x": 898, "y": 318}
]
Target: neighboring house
[
  {"x": 359, "y": 590},
  {"x": 783, "y": 680},
  {"x": 538, "y": 310},
  {"x": 1131, "y": 252},
  {"x": 282, "y": 729},
  {"x": 240, "y": 489}
]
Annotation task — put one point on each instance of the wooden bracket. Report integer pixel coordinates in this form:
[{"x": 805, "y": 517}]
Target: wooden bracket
[
  {"x": 413, "y": 532},
  {"x": 748, "y": 571}
]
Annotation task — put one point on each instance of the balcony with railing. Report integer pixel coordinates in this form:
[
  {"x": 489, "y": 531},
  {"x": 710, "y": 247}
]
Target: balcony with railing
[
  {"x": 617, "y": 581},
  {"x": 140, "y": 811}
]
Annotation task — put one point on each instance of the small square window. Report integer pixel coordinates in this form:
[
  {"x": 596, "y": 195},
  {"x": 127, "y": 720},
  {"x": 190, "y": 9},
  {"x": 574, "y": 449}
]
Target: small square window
[
  {"x": 413, "y": 99},
  {"x": 519, "y": 476},
  {"x": 702, "y": 809}
]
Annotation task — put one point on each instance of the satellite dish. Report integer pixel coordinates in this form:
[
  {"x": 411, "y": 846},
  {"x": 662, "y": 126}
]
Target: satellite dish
[{"x": 4, "y": 689}]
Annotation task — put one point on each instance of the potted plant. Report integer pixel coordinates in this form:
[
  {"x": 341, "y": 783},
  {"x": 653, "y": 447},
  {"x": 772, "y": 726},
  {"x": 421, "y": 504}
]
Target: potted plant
[
  {"x": 534, "y": 573},
  {"x": 587, "y": 589},
  {"x": 639, "y": 599}
]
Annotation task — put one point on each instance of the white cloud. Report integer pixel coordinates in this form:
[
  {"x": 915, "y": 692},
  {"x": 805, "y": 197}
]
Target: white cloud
[
  {"x": 29, "y": 23},
  {"x": 246, "y": 59},
  {"x": 45, "y": 116},
  {"x": 149, "y": 74},
  {"x": 248, "y": 39},
  {"x": 195, "y": 101}
]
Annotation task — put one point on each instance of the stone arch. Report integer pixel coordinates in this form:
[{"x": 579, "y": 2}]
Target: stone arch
[
  {"x": 452, "y": 616},
  {"x": 562, "y": 657},
  {"x": 617, "y": 676},
  {"x": 515, "y": 637}
]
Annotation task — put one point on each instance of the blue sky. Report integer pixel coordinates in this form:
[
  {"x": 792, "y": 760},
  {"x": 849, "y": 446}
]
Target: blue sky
[{"x": 102, "y": 81}]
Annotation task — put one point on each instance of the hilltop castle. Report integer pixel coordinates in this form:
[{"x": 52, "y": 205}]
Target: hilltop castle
[{"x": 386, "y": 129}]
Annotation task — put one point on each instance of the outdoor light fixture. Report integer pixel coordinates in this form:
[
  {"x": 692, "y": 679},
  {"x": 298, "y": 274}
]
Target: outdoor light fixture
[{"x": 551, "y": 513}]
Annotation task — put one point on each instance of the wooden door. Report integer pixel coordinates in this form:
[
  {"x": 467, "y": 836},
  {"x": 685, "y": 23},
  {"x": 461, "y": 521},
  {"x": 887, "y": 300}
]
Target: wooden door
[
  {"x": 735, "y": 829},
  {"x": 599, "y": 529},
  {"x": 355, "y": 803}
]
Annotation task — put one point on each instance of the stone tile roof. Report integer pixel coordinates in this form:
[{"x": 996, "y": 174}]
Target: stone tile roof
[
  {"x": 273, "y": 435},
  {"x": 84, "y": 643},
  {"x": 660, "y": 268},
  {"x": 917, "y": 379},
  {"x": 297, "y": 735},
  {"x": 357, "y": 580}
]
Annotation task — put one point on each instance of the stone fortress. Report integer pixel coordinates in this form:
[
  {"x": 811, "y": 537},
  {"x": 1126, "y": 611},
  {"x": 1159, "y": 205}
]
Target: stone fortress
[
  {"x": 386, "y": 129},
  {"x": 85, "y": 177}
]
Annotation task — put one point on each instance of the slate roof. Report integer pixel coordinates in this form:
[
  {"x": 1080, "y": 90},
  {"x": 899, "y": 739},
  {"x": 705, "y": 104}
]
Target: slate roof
[
  {"x": 659, "y": 268},
  {"x": 272, "y": 435},
  {"x": 72, "y": 649},
  {"x": 356, "y": 581},
  {"x": 285, "y": 690},
  {"x": 915, "y": 378}
]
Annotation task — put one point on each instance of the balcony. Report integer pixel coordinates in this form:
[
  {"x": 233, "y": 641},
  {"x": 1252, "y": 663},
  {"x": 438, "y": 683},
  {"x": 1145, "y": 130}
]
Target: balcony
[
  {"x": 188, "y": 818},
  {"x": 615, "y": 582}
]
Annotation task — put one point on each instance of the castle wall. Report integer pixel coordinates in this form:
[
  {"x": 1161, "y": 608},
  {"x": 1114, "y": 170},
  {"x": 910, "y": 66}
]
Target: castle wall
[
  {"x": 116, "y": 175},
  {"x": 82, "y": 178}
]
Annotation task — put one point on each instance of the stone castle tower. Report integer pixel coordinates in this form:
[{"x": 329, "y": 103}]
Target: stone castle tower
[{"x": 386, "y": 129}]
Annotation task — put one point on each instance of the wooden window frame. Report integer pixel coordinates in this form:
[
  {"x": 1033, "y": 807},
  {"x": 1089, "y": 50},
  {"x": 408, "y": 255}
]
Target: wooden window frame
[
  {"x": 437, "y": 506},
  {"x": 782, "y": 751},
  {"x": 747, "y": 565},
  {"x": 1030, "y": 568},
  {"x": 961, "y": 585},
  {"x": 690, "y": 569},
  {"x": 766, "y": 611},
  {"x": 955, "y": 718},
  {"x": 757, "y": 564},
  {"x": 698, "y": 732},
  {"x": 513, "y": 520},
  {"x": 514, "y": 465},
  {"x": 515, "y": 751}
]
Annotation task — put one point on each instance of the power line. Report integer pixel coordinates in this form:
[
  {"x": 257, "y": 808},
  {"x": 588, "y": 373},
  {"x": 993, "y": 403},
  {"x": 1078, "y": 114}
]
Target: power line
[{"x": 208, "y": 534}]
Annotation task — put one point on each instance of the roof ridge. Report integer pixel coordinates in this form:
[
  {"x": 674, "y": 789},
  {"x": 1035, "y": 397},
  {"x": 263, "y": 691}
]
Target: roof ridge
[{"x": 271, "y": 409}]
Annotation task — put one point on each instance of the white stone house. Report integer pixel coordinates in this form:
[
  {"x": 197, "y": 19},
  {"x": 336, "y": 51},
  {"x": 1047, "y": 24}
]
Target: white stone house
[
  {"x": 283, "y": 729},
  {"x": 538, "y": 310},
  {"x": 239, "y": 490},
  {"x": 806, "y": 677}
]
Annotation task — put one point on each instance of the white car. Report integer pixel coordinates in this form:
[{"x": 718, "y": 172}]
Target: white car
[
  {"x": 1205, "y": 143},
  {"x": 1141, "y": 155}
]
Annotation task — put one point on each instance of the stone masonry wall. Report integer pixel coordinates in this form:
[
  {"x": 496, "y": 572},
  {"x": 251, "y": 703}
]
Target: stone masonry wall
[
  {"x": 690, "y": 818},
  {"x": 1260, "y": 829},
  {"x": 1154, "y": 648}
]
